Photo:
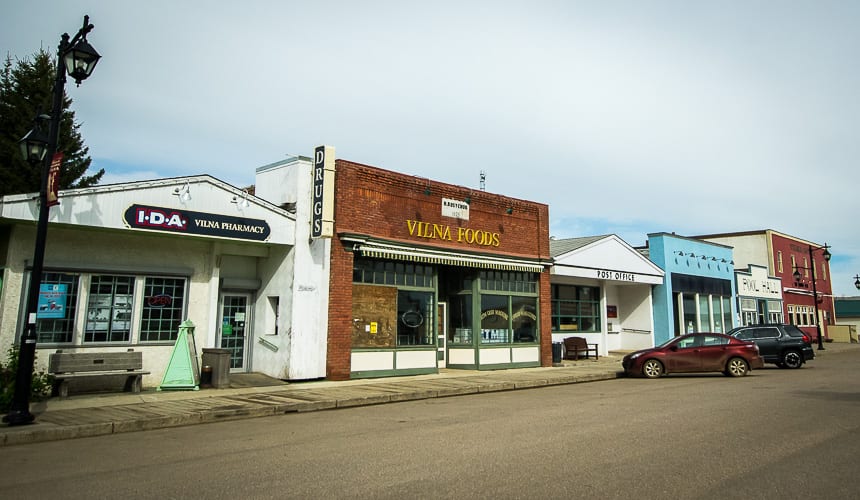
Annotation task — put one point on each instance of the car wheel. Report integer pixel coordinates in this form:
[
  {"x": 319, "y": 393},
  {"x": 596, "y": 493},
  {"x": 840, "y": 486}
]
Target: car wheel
[
  {"x": 652, "y": 368},
  {"x": 737, "y": 367},
  {"x": 792, "y": 359}
]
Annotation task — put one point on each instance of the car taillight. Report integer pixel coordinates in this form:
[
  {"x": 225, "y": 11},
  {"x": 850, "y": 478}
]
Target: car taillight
[{"x": 807, "y": 339}]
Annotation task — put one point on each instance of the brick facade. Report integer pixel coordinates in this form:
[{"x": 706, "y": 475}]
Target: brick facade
[
  {"x": 789, "y": 252},
  {"x": 406, "y": 209}
]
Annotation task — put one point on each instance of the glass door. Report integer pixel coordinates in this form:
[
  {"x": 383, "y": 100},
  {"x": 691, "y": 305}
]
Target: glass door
[
  {"x": 232, "y": 330},
  {"x": 442, "y": 334}
]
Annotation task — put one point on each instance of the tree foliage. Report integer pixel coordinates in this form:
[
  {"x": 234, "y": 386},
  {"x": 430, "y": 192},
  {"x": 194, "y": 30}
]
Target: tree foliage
[{"x": 25, "y": 92}]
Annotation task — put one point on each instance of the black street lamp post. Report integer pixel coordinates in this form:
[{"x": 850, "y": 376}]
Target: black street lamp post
[
  {"x": 826, "y": 254},
  {"x": 78, "y": 58},
  {"x": 857, "y": 281}
]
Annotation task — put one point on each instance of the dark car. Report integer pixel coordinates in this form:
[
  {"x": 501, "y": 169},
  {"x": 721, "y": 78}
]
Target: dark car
[
  {"x": 695, "y": 352},
  {"x": 785, "y": 345}
]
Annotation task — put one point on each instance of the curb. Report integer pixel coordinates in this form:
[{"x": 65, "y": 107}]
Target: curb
[{"x": 143, "y": 417}]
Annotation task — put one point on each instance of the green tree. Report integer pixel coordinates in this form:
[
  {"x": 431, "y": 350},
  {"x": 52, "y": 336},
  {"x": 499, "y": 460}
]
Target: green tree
[{"x": 25, "y": 92}]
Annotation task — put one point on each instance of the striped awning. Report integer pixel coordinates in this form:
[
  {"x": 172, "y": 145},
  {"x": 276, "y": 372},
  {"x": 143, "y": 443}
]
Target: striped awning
[{"x": 427, "y": 256}]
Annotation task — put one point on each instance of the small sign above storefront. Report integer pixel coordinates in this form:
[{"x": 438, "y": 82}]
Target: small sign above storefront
[
  {"x": 197, "y": 223},
  {"x": 755, "y": 282},
  {"x": 606, "y": 274},
  {"x": 455, "y": 208}
]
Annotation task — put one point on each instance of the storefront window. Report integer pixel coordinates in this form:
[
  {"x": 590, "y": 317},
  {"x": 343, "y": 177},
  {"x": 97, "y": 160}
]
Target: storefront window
[
  {"x": 508, "y": 307},
  {"x": 704, "y": 313},
  {"x": 109, "y": 309},
  {"x": 727, "y": 314},
  {"x": 163, "y": 307},
  {"x": 701, "y": 312},
  {"x": 575, "y": 308},
  {"x": 415, "y": 318},
  {"x": 688, "y": 303},
  {"x": 460, "y": 314},
  {"x": 524, "y": 319},
  {"x": 380, "y": 272},
  {"x": 718, "y": 315},
  {"x": 55, "y": 318},
  {"x": 393, "y": 304},
  {"x": 495, "y": 318},
  {"x": 774, "y": 311}
]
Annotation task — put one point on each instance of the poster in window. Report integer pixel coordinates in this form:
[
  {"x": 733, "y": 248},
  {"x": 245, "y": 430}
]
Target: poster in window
[
  {"x": 98, "y": 313},
  {"x": 121, "y": 312},
  {"x": 52, "y": 301}
]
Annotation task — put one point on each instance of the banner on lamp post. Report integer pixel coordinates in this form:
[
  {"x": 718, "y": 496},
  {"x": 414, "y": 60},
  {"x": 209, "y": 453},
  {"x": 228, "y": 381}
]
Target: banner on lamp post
[{"x": 54, "y": 180}]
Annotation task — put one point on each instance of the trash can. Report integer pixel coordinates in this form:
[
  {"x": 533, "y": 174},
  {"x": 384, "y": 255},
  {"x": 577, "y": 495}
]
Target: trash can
[
  {"x": 219, "y": 361},
  {"x": 556, "y": 353}
]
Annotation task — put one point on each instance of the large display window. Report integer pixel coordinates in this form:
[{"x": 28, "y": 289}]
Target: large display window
[
  {"x": 115, "y": 309},
  {"x": 162, "y": 308},
  {"x": 702, "y": 313},
  {"x": 415, "y": 325},
  {"x": 575, "y": 309},
  {"x": 508, "y": 307},
  {"x": 109, "y": 309},
  {"x": 393, "y": 305}
]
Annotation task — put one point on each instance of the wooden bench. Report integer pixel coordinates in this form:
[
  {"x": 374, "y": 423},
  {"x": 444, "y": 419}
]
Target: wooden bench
[
  {"x": 68, "y": 365},
  {"x": 574, "y": 346}
]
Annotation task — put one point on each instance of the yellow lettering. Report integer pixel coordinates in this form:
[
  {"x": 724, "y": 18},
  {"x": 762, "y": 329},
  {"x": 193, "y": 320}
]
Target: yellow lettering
[{"x": 443, "y": 232}]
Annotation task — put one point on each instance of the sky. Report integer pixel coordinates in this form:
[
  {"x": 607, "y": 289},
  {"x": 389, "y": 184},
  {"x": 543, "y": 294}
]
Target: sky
[{"x": 626, "y": 117}]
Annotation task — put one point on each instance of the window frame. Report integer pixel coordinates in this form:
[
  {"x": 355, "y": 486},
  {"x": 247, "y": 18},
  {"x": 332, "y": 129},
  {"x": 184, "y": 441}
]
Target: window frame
[{"x": 557, "y": 303}]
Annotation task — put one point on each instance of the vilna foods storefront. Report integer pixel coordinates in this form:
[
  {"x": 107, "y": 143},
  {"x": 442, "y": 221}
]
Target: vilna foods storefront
[{"x": 426, "y": 275}]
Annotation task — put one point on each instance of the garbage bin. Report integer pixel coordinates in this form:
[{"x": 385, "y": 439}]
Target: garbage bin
[
  {"x": 219, "y": 361},
  {"x": 556, "y": 352}
]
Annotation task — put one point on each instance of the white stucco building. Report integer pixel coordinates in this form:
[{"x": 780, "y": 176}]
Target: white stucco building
[
  {"x": 601, "y": 290},
  {"x": 127, "y": 263}
]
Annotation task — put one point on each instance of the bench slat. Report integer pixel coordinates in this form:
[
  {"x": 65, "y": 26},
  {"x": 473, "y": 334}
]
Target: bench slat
[
  {"x": 99, "y": 374},
  {"x": 84, "y": 362}
]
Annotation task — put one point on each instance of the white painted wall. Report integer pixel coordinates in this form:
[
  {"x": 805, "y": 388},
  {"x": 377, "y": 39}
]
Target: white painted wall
[
  {"x": 74, "y": 249},
  {"x": 306, "y": 322},
  {"x": 747, "y": 249},
  {"x": 87, "y": 235}
]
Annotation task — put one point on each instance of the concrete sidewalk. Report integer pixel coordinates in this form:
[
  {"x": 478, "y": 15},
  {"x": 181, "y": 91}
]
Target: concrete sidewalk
[{"x": 100, "y": 414}]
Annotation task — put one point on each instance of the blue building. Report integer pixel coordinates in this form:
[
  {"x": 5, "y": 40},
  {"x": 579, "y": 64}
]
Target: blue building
[{"x": 697, "y": 294}]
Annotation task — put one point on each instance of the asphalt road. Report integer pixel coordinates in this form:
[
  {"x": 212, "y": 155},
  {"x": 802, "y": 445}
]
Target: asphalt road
[{"x": 774, "y": 434}]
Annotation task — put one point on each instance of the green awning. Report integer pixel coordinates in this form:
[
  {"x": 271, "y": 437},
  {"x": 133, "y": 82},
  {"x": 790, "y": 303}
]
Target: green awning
[{"x": 428, "y": 256}]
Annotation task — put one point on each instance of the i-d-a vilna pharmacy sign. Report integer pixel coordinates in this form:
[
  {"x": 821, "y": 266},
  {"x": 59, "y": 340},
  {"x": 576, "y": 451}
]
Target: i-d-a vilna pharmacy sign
[{"x": 199, "y": 223}]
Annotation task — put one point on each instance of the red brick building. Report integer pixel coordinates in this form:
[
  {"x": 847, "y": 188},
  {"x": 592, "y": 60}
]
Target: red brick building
[
  {"x": 426, "y": 275},
  {"x": 783, "y": 254},
  {"x": 793, "y": 255}
]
